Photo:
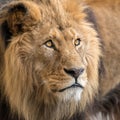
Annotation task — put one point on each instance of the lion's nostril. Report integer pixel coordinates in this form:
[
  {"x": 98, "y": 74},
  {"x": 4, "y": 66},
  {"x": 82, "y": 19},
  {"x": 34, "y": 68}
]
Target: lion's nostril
[{"x": 74, "y": 72}]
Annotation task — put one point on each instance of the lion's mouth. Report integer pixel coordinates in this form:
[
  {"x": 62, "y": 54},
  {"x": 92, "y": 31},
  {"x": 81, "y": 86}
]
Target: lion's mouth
[{"x": 75, "y": 85}]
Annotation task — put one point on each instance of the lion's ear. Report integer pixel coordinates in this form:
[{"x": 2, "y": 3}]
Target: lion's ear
[{"x": 18, "y": 17}]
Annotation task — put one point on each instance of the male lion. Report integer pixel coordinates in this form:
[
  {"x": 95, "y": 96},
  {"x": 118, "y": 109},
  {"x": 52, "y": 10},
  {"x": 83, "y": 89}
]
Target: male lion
[{"x": 51, "y": 60}]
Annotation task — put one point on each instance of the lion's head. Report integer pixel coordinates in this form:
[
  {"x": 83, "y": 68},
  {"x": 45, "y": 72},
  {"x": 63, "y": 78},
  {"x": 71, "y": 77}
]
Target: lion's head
[{"x": 51, "y": 58}]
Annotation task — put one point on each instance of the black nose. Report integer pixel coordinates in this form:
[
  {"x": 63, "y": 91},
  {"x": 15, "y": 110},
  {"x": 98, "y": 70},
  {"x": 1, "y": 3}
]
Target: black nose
[{"x": 74, "y": 72}]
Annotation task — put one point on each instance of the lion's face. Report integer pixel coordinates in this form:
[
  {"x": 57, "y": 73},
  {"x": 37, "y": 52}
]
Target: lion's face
[
  {"x": 60, "y": 63},
  {"x": 53, "y": 62}
]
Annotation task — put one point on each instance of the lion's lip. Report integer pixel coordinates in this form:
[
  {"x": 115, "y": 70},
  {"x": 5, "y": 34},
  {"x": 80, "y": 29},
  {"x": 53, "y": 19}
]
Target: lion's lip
[{"x": 75, "y": 85}]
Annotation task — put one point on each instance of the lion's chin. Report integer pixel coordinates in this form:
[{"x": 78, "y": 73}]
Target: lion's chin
[{"x": 70, "y": 94}]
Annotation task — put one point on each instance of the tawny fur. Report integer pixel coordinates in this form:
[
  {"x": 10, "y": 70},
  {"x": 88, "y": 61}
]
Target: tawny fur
[
  {"x": 32, "y": 74},
  {"x": 107, "y": 15}
]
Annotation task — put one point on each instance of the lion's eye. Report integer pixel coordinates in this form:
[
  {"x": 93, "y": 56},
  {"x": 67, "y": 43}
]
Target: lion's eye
[
  {"x": 77, "y": 42},
  {"x": 49, "y": 44}
]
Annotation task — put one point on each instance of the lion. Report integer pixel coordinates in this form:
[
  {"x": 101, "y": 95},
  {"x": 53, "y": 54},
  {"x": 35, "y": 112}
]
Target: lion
[{"x": 53, "y": 61}]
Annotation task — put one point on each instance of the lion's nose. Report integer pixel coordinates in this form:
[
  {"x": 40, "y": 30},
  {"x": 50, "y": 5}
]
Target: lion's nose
[{"x": 74, "y": 72}]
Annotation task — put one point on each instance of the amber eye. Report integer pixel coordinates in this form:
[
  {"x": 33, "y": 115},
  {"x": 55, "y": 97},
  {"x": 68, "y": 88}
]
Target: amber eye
[
  {"x": 77, "y": 42},
  {"x": 49, "y": 44}
]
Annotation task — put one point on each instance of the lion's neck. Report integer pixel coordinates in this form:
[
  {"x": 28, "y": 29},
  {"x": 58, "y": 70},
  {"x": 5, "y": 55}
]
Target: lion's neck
[{"x": 56, "y": 111}]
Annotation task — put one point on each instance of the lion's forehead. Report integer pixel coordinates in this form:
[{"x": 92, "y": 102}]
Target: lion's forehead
[{"x": 67, "y": 33}]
